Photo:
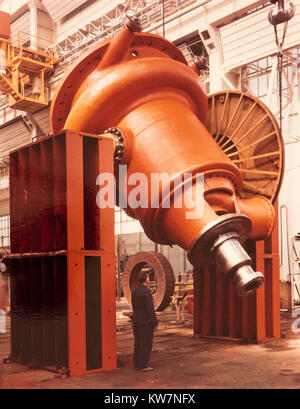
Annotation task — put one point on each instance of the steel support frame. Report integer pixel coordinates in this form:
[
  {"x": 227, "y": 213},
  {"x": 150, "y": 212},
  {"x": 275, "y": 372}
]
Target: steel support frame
[
  {"x": 58, "y": 231},
  {"x": 220, "y": 313}
]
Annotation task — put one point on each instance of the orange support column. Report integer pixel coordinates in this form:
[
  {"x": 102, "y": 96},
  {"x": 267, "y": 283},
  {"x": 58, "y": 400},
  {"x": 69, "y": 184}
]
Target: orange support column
[
  {"x": 76, "y": 315},
  {"x": 108, "y": 284},
  {"x": 91, "y": 272},
  {"x": 268, "y": 299},
  {"x": 75, "y": 245}
]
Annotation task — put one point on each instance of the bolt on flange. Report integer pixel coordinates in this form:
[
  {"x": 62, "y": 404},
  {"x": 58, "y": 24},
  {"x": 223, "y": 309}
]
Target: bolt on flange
[{"x": 119, "y": 143}]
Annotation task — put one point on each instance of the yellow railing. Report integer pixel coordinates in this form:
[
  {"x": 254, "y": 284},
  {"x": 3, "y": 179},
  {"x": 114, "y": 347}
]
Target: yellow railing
[
  {"x": 24, "y": 68},
  {"x": 29, "y": 42}
]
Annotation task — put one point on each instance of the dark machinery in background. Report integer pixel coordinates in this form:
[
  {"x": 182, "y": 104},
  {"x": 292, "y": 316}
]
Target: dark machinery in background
[
  {"x": 139, "y": 89},
  {"x": 162, "y": 279},
  {"x": 164, "y": 285}
]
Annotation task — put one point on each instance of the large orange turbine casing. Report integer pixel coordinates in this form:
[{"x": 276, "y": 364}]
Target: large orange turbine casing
[{"x": 141, "y": 84}]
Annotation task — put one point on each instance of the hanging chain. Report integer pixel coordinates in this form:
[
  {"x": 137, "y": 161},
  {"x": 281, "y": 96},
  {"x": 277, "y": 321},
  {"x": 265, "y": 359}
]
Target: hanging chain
[
  {"x": 283, "y": 16},
  {"x": 280, "y": 68}
]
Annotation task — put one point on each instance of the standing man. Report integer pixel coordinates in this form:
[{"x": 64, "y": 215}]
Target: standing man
[{"x": 144, "y": 321}]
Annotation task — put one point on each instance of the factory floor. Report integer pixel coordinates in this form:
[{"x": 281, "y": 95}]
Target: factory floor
[{"x": 179, "y": 361}]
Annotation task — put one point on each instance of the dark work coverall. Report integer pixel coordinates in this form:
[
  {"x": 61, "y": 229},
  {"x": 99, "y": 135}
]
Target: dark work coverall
[{"x": 144, "y": 321}]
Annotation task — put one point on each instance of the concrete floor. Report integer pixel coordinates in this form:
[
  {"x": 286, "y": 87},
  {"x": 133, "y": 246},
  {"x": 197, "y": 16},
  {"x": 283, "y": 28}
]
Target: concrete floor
[{"x": 180, "y": 361}]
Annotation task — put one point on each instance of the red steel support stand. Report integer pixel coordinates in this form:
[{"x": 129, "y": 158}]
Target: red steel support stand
[
  {"x": 62, "y": 264},
  {"x": 220, "y": 313}
]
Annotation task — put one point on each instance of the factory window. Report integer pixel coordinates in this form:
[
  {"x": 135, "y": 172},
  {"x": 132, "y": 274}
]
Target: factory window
[
  {"x": 4, "y": 178},
  {"x": 257, "y": 78},
  {"x": 4, "y": 231},
  {"x": 125, "y": 224},
  {"x": 192, "y": 46}
]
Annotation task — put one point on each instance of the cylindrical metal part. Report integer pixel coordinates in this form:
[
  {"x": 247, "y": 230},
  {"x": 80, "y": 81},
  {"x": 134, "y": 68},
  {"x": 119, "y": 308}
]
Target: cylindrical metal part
[
  {"x": 119, "y": 45},
  {"x": 234, "y": 261},
  {"x": 36, "y": 85},
  {"x": 229, "y": 253},
  {"x": 247, "y": 281}
]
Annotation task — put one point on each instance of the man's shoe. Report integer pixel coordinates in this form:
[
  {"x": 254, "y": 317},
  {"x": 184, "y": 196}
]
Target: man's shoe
[{"x": 147, "y": 369}]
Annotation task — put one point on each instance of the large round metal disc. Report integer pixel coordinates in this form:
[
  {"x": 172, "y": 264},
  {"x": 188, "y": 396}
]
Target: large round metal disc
[
  {"x": 162, "y": 281},
  {"x": 248, "y": 133}
]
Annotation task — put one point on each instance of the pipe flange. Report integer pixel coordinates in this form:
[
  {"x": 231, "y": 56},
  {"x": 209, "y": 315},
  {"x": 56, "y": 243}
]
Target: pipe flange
[
  {"x": 200, "y": 249},
  {"x": 119, "y": 143},
  {"x": 133, "y": 24}
]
